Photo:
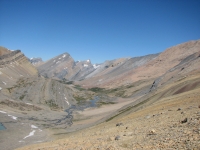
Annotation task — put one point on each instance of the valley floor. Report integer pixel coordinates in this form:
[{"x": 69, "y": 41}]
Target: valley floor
[{"x": 171, "y": 123}]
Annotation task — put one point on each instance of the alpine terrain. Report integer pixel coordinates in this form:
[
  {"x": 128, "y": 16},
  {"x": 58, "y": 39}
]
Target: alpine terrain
[{"x": 146, "y": 102}]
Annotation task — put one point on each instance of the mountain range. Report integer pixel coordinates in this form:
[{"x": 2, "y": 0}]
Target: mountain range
[{"x": 62, "y": 95}]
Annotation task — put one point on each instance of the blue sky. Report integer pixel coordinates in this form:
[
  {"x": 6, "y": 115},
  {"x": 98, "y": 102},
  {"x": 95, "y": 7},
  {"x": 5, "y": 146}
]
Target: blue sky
[{"x": 97, "y": 29}]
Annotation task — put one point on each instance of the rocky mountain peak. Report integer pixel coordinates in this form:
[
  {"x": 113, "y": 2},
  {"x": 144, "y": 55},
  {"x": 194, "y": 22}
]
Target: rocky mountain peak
[{"x": 36, "y": 61}]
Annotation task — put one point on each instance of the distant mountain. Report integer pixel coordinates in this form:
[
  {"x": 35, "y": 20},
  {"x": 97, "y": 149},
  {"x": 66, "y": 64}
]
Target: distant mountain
[
  {"x": 64, "y": 67},
  {"x": 36, "y": 61},
  {"x": 142, "y": 68},
  {"x": 110, "y": 72}
]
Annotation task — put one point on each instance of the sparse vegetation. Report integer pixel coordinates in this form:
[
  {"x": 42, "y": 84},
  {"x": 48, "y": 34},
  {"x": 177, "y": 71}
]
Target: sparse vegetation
[
  {"x": 79, "y": 99},
  {"x": 79, "y": 87},
  {"x": 52, "y": 104},
  {"x": 105, "y": 103},
  {"x": 119, "y": 92},
  {"x": 70, "y": 82},
  {"x": 22, "y": 97},
  {"x": 10, "y": 89},
  {"x": 97, "y": 89}
]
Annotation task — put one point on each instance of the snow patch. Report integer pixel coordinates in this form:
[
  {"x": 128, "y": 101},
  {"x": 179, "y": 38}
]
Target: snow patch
[
  {"x": 96, "y": 66},
  {"x": 0, "y": 72},
  {"x": 85, "y": 65},
  {"x": 13, "y": 117},
  {"x": 88, "y": 60},
  {"x": 0, "y": 88},
  {"x": 64, "y": 56},
  {"x": 57, "y": 62},
  {"x": 67, "y": 102},
  {"x": 4, "y": 83},
  {"x": 32, "y": 126},
  {"x": 3, "y": 112},
  {"x": 29, "y": 103},
  {"x": 30, "y": 134}
]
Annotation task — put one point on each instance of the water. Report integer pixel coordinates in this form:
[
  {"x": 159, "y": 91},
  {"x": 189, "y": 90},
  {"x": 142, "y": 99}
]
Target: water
[
  {"x": 80, "y": 107},
  {"x": 2, "y": 127},
  {"x": 93, "y": 102}
]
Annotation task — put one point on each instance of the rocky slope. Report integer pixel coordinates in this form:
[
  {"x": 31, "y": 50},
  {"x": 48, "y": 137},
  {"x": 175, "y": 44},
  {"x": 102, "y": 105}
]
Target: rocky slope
[
  {"x": 175, "y": 90},
  {"x": 110, "y": 71},
  {"x": 162, "y": 120},
  {"x": 31, "y": 104},
  {"x": 41, "y": 91},
  {"x": 187, "y": 67}
]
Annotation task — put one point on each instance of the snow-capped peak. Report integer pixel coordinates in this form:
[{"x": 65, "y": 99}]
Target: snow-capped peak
[
  {"x": 95, "y": 66},
  {"x": 85, "y": 65}
]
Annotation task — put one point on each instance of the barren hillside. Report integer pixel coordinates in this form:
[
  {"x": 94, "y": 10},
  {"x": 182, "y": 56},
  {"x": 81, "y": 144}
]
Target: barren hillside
[
  {"x": 155, "y": 67},
  {"x": 147, "y": 102},
  {"x": 165, "y": 122}
]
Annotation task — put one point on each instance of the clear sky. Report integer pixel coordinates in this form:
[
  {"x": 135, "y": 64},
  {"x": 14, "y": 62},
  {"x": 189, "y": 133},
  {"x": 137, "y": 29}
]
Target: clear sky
[{"x": 97, "y": 29}]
